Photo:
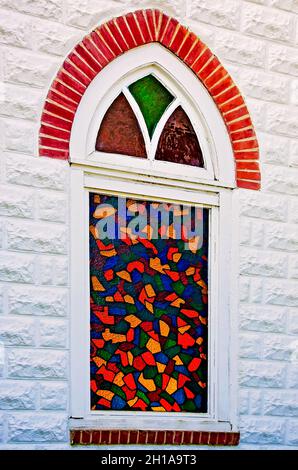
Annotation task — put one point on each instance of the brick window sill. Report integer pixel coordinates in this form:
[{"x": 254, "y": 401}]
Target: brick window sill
[{"x": 124, "y": 437}]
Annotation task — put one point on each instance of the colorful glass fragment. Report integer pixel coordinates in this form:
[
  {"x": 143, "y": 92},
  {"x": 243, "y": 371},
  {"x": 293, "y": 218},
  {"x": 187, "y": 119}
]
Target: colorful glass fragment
[
  {"x": 148, "y": 312},
  {"x": 153, "y": 99},
  {"x": 178, "y": 142},
  {"x": 120, "y": 131}
]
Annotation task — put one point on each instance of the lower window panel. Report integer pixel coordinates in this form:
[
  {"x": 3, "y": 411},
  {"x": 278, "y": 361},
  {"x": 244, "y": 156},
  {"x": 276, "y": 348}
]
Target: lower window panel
[{"x": 148, "y": 305}]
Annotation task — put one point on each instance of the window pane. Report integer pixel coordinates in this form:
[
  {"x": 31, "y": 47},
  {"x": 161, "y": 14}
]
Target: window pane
[
  {"x": 149, "y": 305},
  {"x": 178, "y": 142},
  {"x": 120, "y": 132},
  {"x": 153, "y": 99}
]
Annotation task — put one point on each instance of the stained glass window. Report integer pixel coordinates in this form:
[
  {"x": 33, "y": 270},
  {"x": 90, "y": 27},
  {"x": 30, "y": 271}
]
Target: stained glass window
[
  {"x": 178, "y": 142},
  {"x": 153, "y": 99},
  {"x": 148, "y": 305},
  {"x": 121, "y": 133}
]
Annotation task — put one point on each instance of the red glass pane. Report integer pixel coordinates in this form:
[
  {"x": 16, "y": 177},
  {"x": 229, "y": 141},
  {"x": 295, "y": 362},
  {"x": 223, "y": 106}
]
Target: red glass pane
[
  {"x": 178, "y": 142},
  {"x": 120, "y": 132}
]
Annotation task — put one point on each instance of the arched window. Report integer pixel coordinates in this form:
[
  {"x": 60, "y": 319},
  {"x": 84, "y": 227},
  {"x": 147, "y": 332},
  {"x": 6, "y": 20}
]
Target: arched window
[{"x": 155, "y": 158}]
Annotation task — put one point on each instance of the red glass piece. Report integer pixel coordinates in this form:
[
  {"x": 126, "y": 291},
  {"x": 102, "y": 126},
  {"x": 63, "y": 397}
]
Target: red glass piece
[
  {"x": 178, "y": 142},
  {"x": 120, "y": 132}
]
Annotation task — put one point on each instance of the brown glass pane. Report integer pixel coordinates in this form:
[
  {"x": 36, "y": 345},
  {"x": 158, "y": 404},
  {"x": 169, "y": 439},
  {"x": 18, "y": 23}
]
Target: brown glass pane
[
  {"x": 120, "y": 132},
  {"x": 178, "y": 142}
]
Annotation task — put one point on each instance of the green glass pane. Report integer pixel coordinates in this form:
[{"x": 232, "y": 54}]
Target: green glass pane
[{"x": 153, "y": 99}]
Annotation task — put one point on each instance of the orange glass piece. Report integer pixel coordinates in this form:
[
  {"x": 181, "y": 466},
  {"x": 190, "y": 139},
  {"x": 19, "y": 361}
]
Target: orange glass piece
[
  {"x": 120, "y": 132},
  {"x": 178, "y": 142}
]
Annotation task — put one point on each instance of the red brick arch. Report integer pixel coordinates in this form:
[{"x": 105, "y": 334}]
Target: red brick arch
[{"x": 121, "y": 34}]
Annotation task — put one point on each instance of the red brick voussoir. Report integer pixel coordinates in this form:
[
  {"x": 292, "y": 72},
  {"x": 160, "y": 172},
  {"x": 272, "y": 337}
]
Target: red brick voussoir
[{"x": 121, "y": 34}]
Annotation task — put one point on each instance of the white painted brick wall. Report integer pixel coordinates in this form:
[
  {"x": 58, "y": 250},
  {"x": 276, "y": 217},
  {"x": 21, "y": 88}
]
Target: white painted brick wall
[{"x": 257, "y": 42}]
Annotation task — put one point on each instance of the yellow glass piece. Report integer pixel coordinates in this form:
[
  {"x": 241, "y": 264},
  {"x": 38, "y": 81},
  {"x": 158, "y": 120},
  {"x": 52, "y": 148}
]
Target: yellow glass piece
[
  {"x": 129, "y": 299},
  {"x": 133, "y": 321},
  {"x": 108, "y": 253},
  {"x": 147, "y": 383},
  {"x": 199, "y": 340},
  {"x": 190, "y": 271},
  {"x": 155, "y": 263},
  {"x": 107, "y": 394},
  {"x": 114, "y": 337},
  {"x": 149, "y": 290},
  {"x": 178, "y": 361},
  {"x": 183, "y": 329},
  {"x": 160, "y": 367},
  {"x": 172, "y": 386},
  {"x": 133, "y": 401},
  {"x": 99, "y": 361},
  {"x": 109, "y": 298},
  {"x": 178, "y": 302},
  {"x": 164, "y": 328},
  {"x": 149, "y": 306},
  {"x": 176, "y": 257},
  {"x": 153, "y": 346},
  {"x": 130, "y": 358},
  {"x": 158, "y": 408},
  {"x": 118, "y": 380},
  {"x": 124, "y": 275},
  {"x": 97, "y": 285},
  {"x": 104, "y": 211}
]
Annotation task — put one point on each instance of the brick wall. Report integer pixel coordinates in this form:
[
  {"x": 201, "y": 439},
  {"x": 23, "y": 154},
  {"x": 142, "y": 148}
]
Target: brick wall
[{"x": 257, "y": 43}]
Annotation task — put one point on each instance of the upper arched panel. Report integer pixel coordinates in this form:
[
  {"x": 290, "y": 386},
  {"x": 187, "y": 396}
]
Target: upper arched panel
[{"x": 121, "y": 34}]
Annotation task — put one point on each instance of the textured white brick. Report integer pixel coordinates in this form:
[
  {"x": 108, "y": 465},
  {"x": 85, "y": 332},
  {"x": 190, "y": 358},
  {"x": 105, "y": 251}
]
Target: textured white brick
[
  {"x": 282, "y": 121},
  {"x": 244, "y": 287},
  {"x": 61, "y": 271},
  {"x": 29, "y": 427},
  {"x": 16, "y": 202},
  {"x": 282, "y": 237},
  {"x": 17, "y": 395},
  {"x": 37, "y": 301},
  {"x": 1, "y": 427},
  {"x": 29, "y": 68},
  {"x": 262, "y": 430},
  {"x": 87, "y": 13},
  {"x": 37, "y": 363},
  {"x": 15, "y": 30},
  {"x": 292, "y": 434},
  {"x": 265, "y": 86},
  {"x": 294, "y": 154},
  {"x": 292, "y": 381},
  {"x": 232, "y": 47},
  {"x": 206, "y": 33},
  {"x": 259, "y": 318},
  {"x": 19, "y": 332},
  {"x": 263, "y": 263},
  {"x": 54, "y": 38},
  {"x": 243, "y": 402},
  {"x": 36, "y": 172},
  {"x": 1, "y": 299},
  {"x": 20, "y": 136},
  {"x": 293, "y": 267},
  {"x": 280, "y": 292},
  {"x": 283, "y": 59},
  {"x": 256, "y": 290},
  {"x": 268, "y": 23},
  {"x": 283, "y": 403},
  {"x": 245, "y": 231},
  {"x": 38, "y": 237},
  {"x": 250, "y": 346},
  {"x": 257, "y": 111},
  {"x": 257, "y": 233},
  {"x": 293, "y": 321},
  {"x": 17, "y": 268},
  {"x": 51, "y": 206},
  {"x": 293, "y": 211},
  {"x": 15, "y": 101},
  {"x": 53, "y": 396},
  {"x": 294, "y": 92},
  {"x": 53, "y": 333},
  {"x": 53, "y": 270},
  {"x": 223, "y": 13},
  {"x": 279, "y": 348},
  {"x": 47, "y": 8},
  {"x": 281, "y": 180},
  {"x": 256, "y": 402},
  {"x": 263, "y": 206},
  {"x": 262, "y": 374},
  {"x": 274, "y": 149},
  {"x": 290, "y": 5}
]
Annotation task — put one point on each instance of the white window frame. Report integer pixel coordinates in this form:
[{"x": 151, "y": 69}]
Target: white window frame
[{"x": 91, "y": 172}]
